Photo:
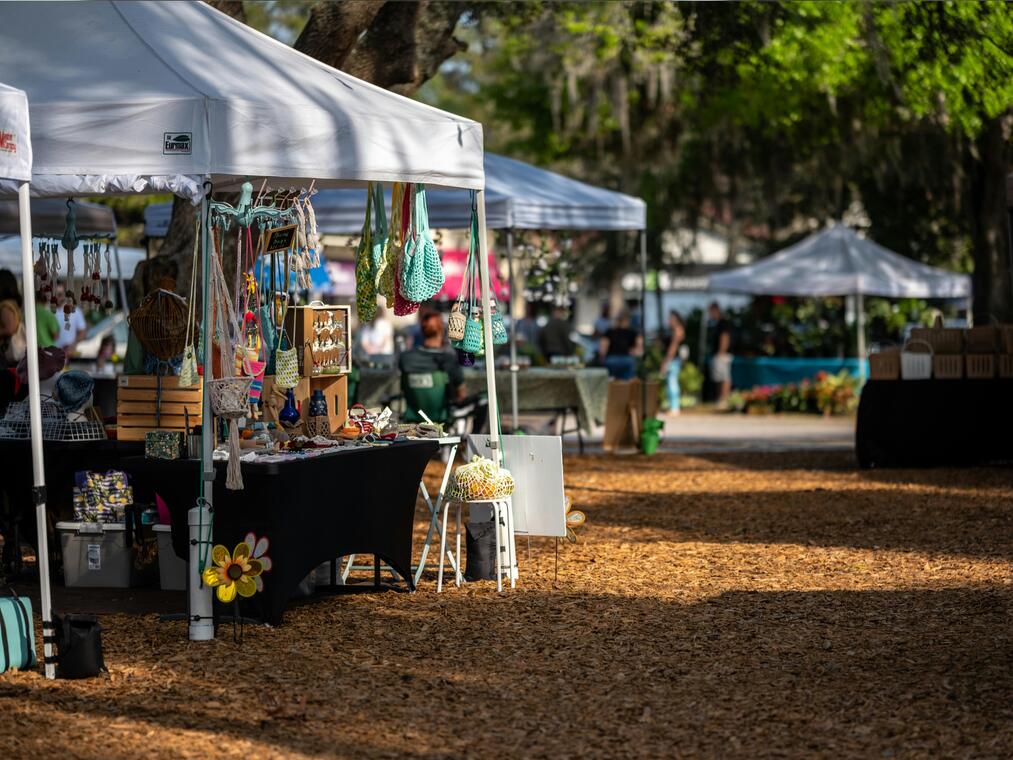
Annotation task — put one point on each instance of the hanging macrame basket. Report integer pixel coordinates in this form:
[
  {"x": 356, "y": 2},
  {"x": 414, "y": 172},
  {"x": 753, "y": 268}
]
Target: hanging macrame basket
[
  {"x": 230, "y": 396},
  {"x": 160, "y": 323}
]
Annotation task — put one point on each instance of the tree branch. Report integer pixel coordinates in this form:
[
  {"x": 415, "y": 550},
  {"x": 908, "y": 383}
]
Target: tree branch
[{"x": 334, "y": 28}]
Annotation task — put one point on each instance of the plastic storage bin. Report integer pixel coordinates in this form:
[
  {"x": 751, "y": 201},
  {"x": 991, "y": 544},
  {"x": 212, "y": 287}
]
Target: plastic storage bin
[
  {"x": 916, "y": 364},
  {"x": 171, "y": 569},
  {"x": 96, "y": 555}
]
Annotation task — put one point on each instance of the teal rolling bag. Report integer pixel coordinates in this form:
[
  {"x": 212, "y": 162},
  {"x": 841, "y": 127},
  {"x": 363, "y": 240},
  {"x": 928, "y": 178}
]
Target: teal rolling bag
[{"x": 17, "y": 632}]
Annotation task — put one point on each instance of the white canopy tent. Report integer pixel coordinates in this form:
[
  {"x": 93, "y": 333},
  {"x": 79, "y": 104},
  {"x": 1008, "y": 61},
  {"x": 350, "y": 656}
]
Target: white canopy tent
[
  {"x": 156, "y": 96},
  {"x": 16, "y": 167},
  {"x": 519, "y": 196},
  {"x": 838, "y": 262}
]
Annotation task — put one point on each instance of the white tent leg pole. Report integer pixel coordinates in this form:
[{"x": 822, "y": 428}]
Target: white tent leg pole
[
  {"x": 860, "y": 330},
  {"x": 119, "y": 277},
  {"x": 969, "y": 315},
  {"x": 643, "y": 324},
  {"x": 513, "y": 329},
  {"x": 199, "y": 609},
  {"x": 490, "y": 357},
  {"x": 35, "y": 412}
]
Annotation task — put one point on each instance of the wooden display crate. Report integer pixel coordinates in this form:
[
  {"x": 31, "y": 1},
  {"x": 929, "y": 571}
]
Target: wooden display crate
[
  {"x": 304, "y": 327},
  {"x": 885, "y": 364},
  {"x": 944, "y": 340},
  {"x": 948, "y": 366},
  {"x": 1006, "y": 365},
  {"x": 980, "y": 366},
  {"x": 137, "y": 408},
  {"x": 981, "y": 340},
  {"x": 335, "y": 390}
]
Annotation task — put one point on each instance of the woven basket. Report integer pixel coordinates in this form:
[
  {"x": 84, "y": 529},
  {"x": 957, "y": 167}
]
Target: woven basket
[
  {"x": 160, "y": 323},
  {"x": 948, "y": 366},
  {"x": 944, "y": 340},
  {"x": 981, "y": 340},
  {"x": 916, "y": 364},
  {"x": 230, "y": 396},
  {"x": 980, "y": 366},
  {"x": 885, "y": 364},
  {"x": 318, "y": 426}
]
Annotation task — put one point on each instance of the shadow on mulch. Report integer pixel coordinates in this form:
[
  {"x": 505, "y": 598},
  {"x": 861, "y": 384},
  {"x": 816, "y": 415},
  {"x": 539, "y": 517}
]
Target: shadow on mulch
[{"x": 799, "y": 673}]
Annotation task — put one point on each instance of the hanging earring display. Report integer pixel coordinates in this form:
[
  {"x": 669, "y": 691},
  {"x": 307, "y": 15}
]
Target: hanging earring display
[
  {"x": 106, "y": 289},
  {"x": 312, "y": 236},
  {"x": 53, "y": 253}
]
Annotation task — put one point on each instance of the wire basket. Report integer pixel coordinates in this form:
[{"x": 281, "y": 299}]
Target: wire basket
[
  {"x": 17, "y": 424},
  {"x": 160, "y": 323},
  {"x": 229, "y": 396}
]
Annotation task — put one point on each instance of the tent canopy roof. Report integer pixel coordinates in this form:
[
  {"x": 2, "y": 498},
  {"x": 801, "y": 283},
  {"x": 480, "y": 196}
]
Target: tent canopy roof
[
  {"x": 518, "y": 196},
  {"x": 838, "y": 262},
  {"x": 129, "y": 97},
  {"x": 15, "y": 137}
]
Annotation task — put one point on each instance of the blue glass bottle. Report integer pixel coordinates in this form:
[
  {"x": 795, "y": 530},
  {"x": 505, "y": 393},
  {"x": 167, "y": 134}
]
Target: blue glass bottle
[{"x": 289, "y": 414}]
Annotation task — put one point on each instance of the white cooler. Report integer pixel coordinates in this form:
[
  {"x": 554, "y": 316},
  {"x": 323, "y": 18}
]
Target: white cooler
[
  {"x": 95, "y": 555},
  {"x": 171, "y": 569}
]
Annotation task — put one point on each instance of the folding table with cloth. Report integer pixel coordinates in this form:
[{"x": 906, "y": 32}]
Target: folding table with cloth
[{"x": 311, "y": 508}]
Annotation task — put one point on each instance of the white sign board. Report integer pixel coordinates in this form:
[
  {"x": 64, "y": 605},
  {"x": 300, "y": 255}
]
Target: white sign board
[{"x": 536, "y": 462}]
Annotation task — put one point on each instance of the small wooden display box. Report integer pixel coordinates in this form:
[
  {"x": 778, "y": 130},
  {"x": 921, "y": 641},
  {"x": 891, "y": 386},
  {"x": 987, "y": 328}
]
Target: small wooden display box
[
  {"x": 322, "y": 336},
  {"x": 335, "y": 390},
  {"x": 137, "y": 405}
]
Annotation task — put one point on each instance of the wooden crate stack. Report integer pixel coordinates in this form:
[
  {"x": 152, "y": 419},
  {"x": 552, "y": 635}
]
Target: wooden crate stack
[
  {"x": 982, "y": 345},
  {"x": 137, "y": 406},
  {"x": 947, "y": 349}
]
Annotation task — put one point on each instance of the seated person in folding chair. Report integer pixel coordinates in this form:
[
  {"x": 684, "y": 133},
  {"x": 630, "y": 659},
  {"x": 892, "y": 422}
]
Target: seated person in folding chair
[{"x": 432, "y": 381}]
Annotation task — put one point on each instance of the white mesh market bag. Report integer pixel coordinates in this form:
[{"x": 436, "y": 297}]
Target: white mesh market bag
[{"x": 480, "y": 480}]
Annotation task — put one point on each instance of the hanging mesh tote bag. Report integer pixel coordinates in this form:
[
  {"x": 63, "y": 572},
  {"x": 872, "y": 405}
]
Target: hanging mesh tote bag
[
  {"x": 499, "y": 331},
  {"x": 286, "y": 360},
  {"x": 188, "y": 374},
  {"x": 403, "y": 305},
  {"x": 385, "y": 273},
  {"x": 380, "y": 231},
  {"x": 474, "y": 340},
  {"x": 421, "y": 270},
  {"x": 365, "y": 277},
  {"x": 480, "y": 480}
]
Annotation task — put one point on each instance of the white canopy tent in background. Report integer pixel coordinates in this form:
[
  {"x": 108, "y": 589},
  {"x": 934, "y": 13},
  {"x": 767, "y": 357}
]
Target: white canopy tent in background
[
  {"x": 519, "y": 196},
  {"x": 838, "y": 262},
  {"x": 16, "y": 167},
  {"x": 155, "y": 96}
]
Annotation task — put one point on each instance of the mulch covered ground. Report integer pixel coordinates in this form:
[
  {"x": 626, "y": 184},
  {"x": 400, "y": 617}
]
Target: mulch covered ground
[{"x": 724, "y": 605}]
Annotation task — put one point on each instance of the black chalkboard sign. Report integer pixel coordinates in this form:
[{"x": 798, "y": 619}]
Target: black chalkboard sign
[{"x": 280, "y": 239}]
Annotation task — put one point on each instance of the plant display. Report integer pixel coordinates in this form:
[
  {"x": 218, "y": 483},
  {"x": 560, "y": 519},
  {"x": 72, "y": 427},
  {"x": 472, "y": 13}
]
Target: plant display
[{"x": 825, "y": 394}]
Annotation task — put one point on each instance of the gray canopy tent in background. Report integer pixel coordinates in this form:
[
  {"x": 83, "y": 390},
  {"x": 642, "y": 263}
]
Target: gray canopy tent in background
[
  {"x": 240, "y": 106},
  {"x": 838, "y": 262},
  {"x": 519, "y": 196}
]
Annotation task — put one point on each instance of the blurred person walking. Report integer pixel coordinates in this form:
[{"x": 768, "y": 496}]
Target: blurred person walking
[
  {"x": 671, "y": 365},
  {"x": 720, "y": 353}
]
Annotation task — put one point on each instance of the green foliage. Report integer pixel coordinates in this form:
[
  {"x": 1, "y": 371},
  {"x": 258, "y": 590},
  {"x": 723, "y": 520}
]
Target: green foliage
[
  {"x": 754, "y": 117},
  {"x": 690, "y": 381}
]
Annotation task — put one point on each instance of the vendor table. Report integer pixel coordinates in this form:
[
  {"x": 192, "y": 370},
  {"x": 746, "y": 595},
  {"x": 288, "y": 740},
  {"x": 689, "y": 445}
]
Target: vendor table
[
  {"x": 539, "y": 389},
  {"x": 912, "y": 423},
  {"x": 311, "y": 508}
]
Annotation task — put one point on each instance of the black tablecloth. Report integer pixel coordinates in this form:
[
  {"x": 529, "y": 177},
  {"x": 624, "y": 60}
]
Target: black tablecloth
[
  {"x": 356, "y": 501},
  {"x": 905, "y": 423}
]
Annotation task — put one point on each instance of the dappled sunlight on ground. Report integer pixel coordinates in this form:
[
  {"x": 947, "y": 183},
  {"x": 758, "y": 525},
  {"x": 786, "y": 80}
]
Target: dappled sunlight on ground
[{"x": 722, "y": 605}]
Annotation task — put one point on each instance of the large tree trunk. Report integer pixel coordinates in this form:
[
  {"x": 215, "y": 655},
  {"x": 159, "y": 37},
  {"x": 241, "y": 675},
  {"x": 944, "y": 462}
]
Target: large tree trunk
[
  {"x": 395, "y": 45},
  {"x": 992, "y": 284}
]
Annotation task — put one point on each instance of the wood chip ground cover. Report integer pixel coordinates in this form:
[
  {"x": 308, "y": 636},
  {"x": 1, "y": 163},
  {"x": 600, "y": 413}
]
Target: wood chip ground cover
[{"x": 749, "y": 605}]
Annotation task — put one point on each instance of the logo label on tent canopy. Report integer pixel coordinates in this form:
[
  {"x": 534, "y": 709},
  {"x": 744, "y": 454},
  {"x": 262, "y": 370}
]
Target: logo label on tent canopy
[
  {"x": 177, "y": 143},
  {"x": 8, "y": 142}
]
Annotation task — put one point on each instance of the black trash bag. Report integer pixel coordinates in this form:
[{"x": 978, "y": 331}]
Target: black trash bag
[
  {"x": 481, "y": 543},
  {"x": 79, "y": 646}
]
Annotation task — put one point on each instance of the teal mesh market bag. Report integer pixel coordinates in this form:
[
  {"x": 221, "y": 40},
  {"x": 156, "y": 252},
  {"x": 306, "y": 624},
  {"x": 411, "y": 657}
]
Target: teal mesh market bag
[{"x": 421, "y": 272}]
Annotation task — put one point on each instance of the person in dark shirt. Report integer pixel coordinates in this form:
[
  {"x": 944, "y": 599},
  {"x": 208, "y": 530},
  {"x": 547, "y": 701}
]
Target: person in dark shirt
[
  {"x": 554, "y": 338},
  {"x": 434, "y": 355},
  {"x": 721, "y": 353},
  {"x": 619, "y": 348}
]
